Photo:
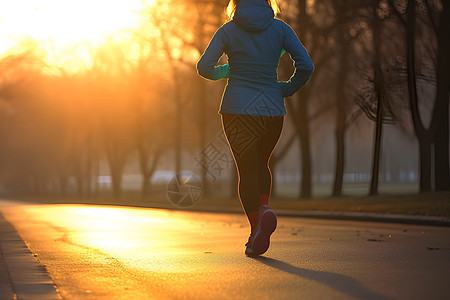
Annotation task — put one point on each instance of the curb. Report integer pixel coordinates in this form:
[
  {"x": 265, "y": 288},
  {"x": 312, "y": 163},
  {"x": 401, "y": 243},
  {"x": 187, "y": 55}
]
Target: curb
[
  {"x": 330, "y": 215},
  {"x": 28, "y": 279},
  {"x": 369, "y": 217}
]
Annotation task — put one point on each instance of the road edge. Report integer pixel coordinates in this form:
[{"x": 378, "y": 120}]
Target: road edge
[
  {"x": 28, "y": 278},
  {"x": 316, "y": 214}
]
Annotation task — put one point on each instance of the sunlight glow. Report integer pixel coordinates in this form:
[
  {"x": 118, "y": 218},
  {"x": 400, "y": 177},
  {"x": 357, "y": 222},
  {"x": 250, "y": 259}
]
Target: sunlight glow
[
  {"x": 159, "y": 242},
  {"x": 67, "y": 30},
  {"x": 119, "y": 231}
]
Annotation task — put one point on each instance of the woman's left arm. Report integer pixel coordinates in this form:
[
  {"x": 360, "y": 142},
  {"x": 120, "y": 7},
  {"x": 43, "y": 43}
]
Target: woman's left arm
[
  {"x": 302, "y": 63},
  {"x": 206, "y": 66}
]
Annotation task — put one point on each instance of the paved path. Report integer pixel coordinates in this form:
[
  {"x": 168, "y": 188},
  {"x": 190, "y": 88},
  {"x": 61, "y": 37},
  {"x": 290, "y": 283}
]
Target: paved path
[{"x": 105, "y": 252}]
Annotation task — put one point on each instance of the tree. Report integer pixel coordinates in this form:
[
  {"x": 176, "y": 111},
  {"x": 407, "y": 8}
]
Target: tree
[
  {"x": 150, "y": 113},
  {"x": 440, "y": 114},
  {"x": 112, "y": 95},
  {"x": 314, "y": 34},
  {"x": 343, "y": 49},
  {"x": 436, "y": 134},
  {"x": 379, "y": 92}
]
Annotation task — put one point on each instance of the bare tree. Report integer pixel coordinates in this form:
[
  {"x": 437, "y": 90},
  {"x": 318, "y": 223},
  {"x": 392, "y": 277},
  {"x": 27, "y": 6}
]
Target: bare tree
[
  {"x": 436, "y": 134},
  {"x": 440, "y": 113}
]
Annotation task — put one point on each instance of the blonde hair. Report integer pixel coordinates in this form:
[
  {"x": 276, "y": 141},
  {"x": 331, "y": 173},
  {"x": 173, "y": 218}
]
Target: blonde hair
[{"x": 231, "y": 8}]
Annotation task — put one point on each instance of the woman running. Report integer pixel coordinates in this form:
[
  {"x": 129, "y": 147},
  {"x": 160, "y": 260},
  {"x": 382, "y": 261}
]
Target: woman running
[{"x": 252, "y": 107}]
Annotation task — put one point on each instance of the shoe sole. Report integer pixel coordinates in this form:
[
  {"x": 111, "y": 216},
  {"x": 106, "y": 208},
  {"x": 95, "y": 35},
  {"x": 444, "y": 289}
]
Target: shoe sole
[{"x": 266, "y": 227}]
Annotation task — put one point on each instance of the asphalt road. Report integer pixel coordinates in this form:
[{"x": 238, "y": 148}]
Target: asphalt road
[{"x": 106, "y": 252}]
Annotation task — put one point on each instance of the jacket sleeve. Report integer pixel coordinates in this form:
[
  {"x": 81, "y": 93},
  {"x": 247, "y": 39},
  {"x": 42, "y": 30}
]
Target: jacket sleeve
[
  {"x": 302, "y": 63},
  {"x": 206, "y": 66}
]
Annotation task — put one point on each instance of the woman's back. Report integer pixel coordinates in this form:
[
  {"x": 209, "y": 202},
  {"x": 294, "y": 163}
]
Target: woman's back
[
  {"x": 253, "y": 42},
  {"x": 254, "y": 56}
]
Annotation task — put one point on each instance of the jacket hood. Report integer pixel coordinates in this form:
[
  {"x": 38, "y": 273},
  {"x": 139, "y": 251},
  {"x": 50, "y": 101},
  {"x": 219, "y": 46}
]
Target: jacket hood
[{"x": 253, "y": 15}]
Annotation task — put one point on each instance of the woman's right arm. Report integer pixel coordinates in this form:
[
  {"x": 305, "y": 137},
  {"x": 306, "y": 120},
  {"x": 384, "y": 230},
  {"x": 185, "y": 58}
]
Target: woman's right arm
[
  {"x": 206, "y": 66},
  {"x": 302, "y": 63}
]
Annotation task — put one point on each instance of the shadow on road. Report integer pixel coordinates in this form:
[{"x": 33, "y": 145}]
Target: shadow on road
[{"x": 338, "y": 282}]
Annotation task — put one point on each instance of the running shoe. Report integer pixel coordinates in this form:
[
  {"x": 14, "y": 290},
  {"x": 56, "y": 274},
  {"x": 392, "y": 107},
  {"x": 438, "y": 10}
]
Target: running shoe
[
  {"x": 248, "y": 249},
  {"x": 259, "y": 242}
]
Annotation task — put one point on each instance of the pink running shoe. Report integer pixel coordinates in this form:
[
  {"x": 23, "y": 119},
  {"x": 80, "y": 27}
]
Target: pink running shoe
[{"x": 259, "y": 242}]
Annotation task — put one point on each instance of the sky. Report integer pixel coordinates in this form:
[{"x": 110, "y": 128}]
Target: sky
[{"x": 65, "y": 30}]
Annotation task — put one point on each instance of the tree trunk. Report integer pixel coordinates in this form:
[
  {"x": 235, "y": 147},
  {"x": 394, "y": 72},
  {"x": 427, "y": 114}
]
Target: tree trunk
[
  {"x": 379, "y": 95},
  {"x": 341, "y": 100},
  {"x": 143, "y": 164},
  {"x": 340, "y": 158},
  {"x": 424, "y": 136},
  {"x": 89, "y": 164},
  {"x": 145, "y": 152},
  {"x": 116, "y": 162},
  {"x": 425, "y": 165},
  {"x": 146, "y": 184},
  {"x": 116, "y": 176},
  {"x": 303, "y": 130},
  {"x": 377, "y": 145},
  {"x": 301, "y": 119},
  {"x": 442, "y": 101}
]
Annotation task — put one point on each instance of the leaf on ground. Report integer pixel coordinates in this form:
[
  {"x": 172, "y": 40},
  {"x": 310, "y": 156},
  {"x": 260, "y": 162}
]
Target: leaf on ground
[
  {"x": 432, "y": 248},
  {"x": 374, "y": 240},
  {"x": 436, "y": 248}
]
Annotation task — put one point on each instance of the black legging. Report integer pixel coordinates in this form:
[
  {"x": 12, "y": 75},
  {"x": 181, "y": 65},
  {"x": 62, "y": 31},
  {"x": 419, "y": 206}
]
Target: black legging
[{"x": 252, "y": 140}]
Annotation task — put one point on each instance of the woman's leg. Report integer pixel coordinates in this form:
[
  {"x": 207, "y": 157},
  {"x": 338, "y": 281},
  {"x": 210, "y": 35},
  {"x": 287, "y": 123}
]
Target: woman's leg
[
  {"x": 243, "y": 144},
  {"x": 252, "y": 140},
  {"x": 266, "y": 146}
]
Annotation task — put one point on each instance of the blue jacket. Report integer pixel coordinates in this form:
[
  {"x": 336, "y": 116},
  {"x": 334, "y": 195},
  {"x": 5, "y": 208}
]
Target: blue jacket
[{"x": 253, "y": 42}]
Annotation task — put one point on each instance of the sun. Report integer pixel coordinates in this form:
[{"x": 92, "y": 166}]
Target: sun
[{"x": 66, "y": 29}]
